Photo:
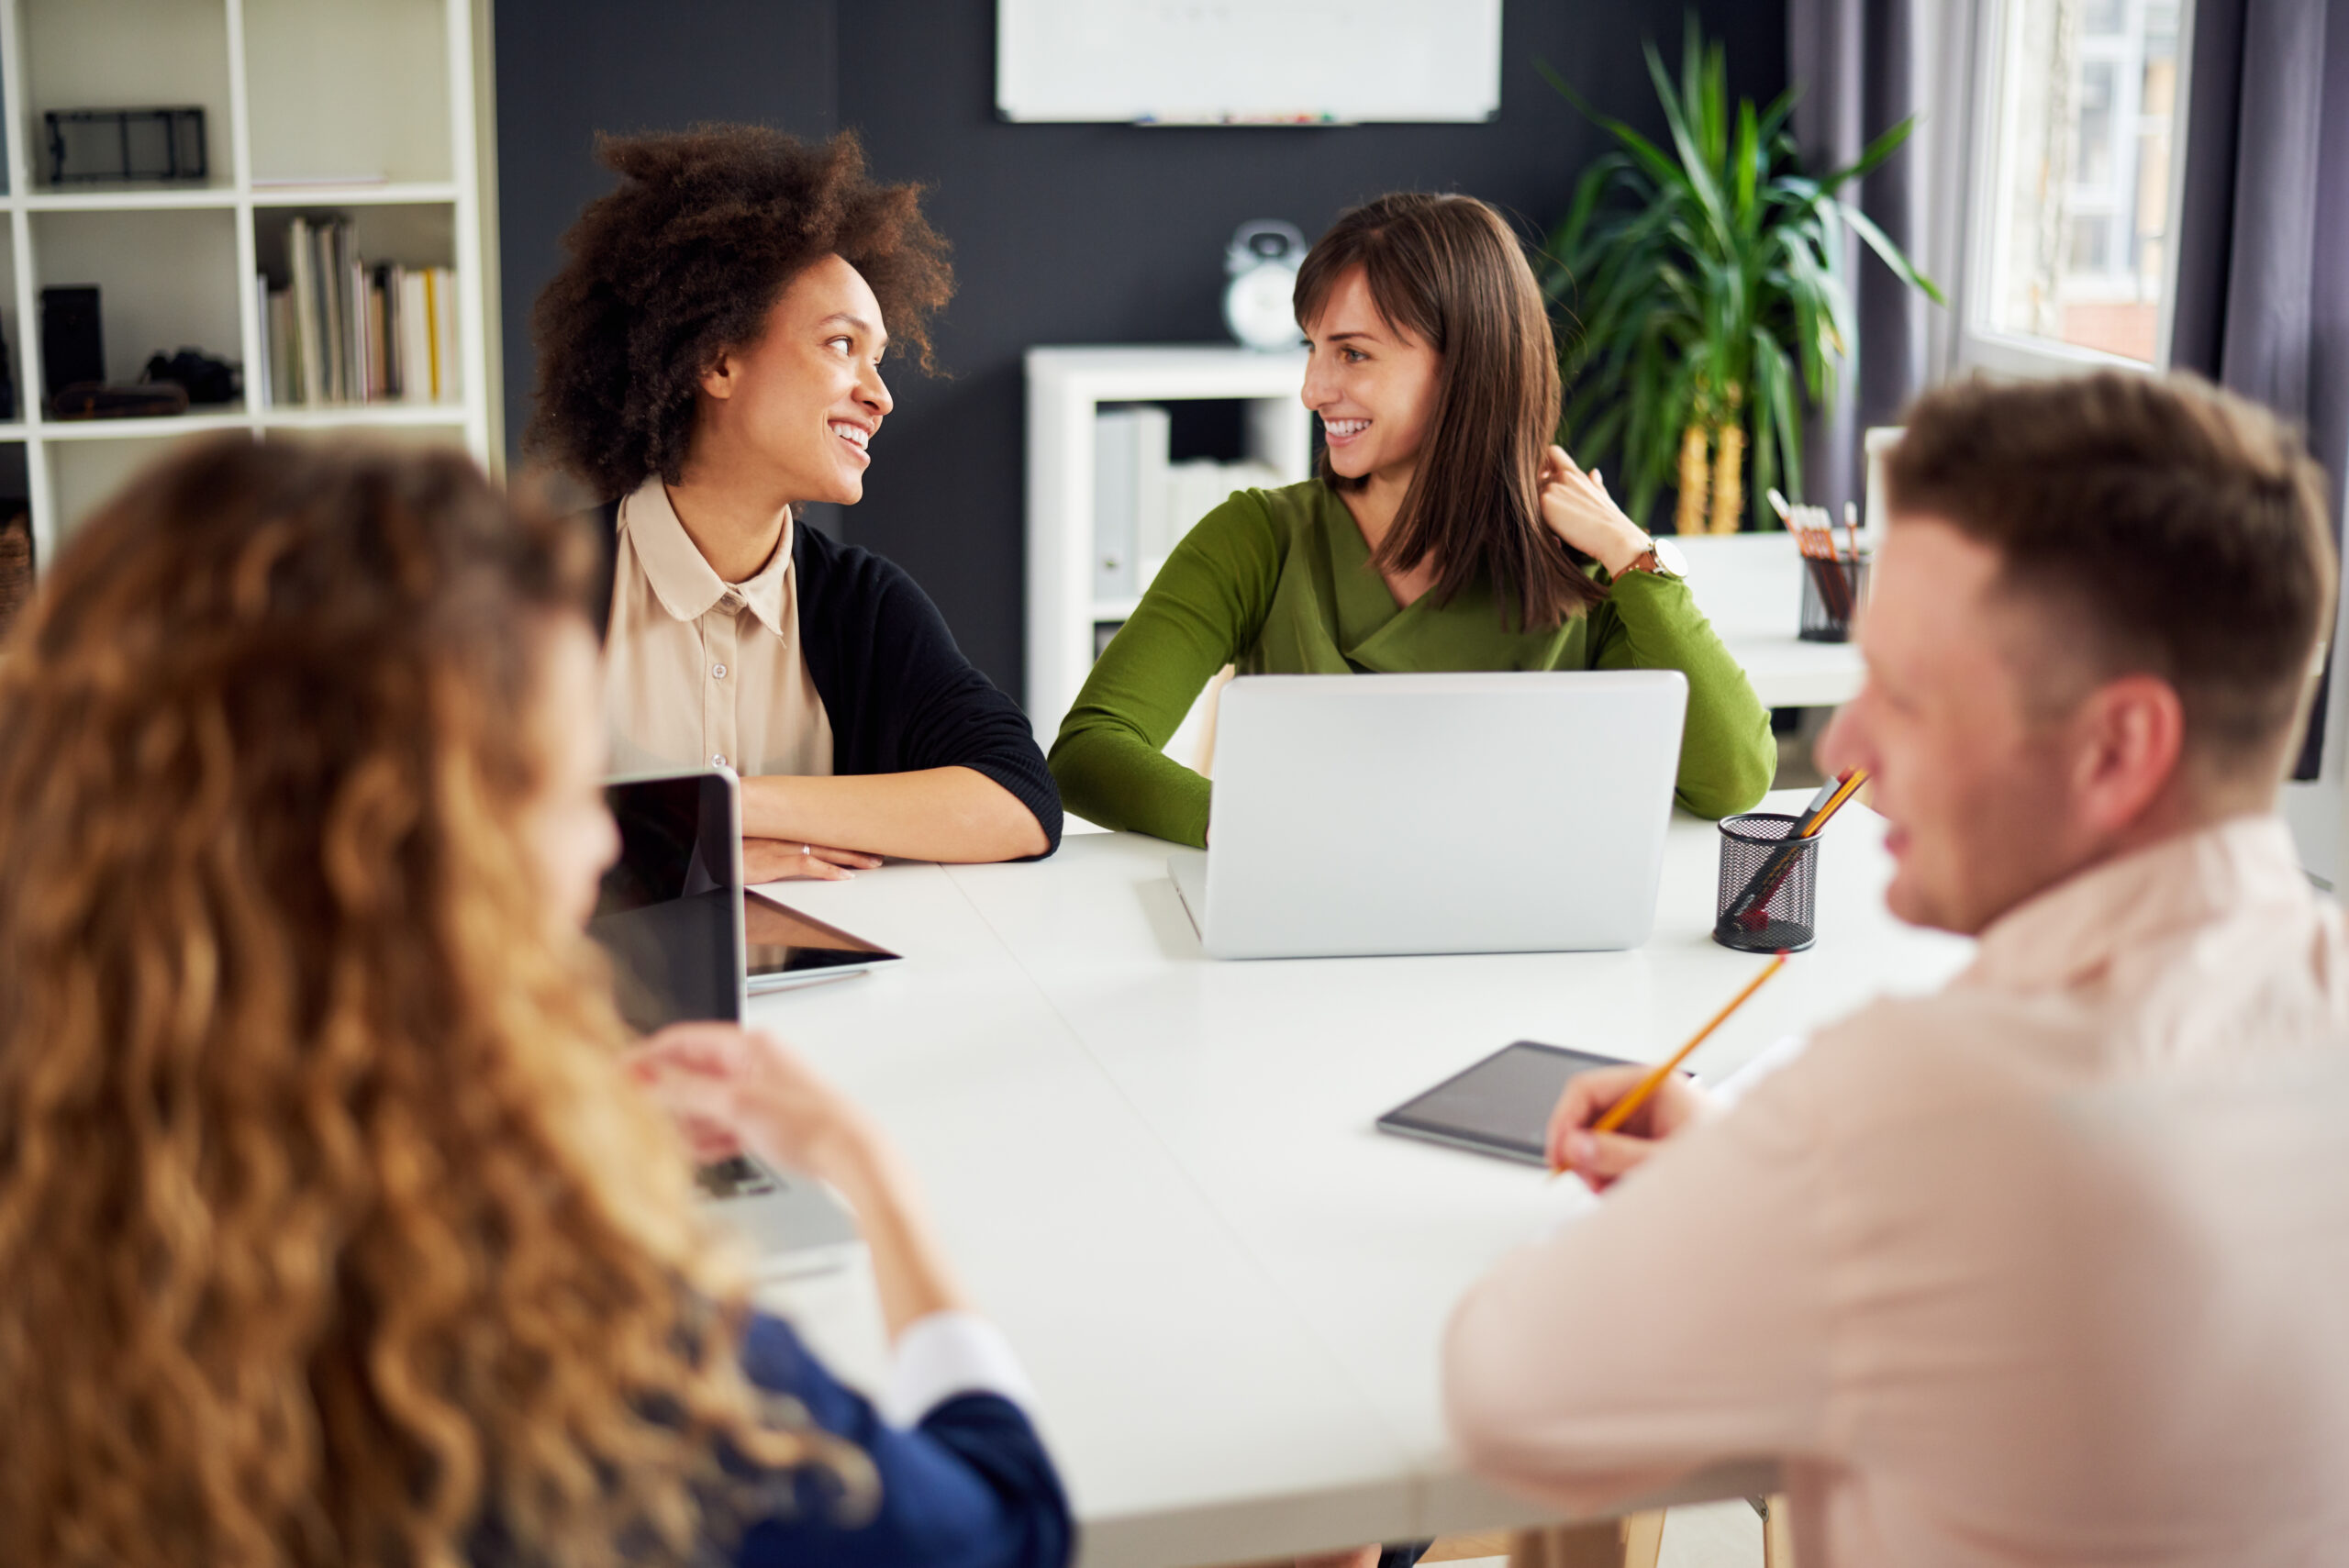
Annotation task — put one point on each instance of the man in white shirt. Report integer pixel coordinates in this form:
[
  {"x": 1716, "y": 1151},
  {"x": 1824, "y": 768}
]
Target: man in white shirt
[{"x": 2052, "y": 1267}]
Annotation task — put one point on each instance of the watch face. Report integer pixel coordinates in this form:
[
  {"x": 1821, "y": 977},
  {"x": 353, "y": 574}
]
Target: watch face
[
  {"x": 1668, "y": 556},
  {"x": 1257, "y": 307}
]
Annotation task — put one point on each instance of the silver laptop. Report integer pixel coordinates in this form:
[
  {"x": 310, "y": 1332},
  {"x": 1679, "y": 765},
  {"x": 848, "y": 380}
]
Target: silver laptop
[
  {"x": 1519, "y": 812},
  {"x": 669, "y": 913}
]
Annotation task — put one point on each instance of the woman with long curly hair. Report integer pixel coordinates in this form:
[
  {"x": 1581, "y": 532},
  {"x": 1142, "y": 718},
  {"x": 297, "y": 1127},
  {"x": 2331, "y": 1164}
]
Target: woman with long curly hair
[
  {"x": 709, "y": 358},
  {"x": 332, "y": 1230}
]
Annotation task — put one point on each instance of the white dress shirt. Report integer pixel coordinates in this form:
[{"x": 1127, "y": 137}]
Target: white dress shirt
[
  {"x": 2050, "y": 1268},
  {"x": 946, "y": 1354}
]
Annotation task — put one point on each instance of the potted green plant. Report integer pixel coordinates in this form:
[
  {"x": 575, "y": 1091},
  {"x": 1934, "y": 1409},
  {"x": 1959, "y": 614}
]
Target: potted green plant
[{"x": 1700, "y": 294}]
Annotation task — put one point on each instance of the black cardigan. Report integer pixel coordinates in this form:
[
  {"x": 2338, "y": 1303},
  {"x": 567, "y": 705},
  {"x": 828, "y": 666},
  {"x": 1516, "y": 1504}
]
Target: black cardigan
[{"x": 899, "y": 693}]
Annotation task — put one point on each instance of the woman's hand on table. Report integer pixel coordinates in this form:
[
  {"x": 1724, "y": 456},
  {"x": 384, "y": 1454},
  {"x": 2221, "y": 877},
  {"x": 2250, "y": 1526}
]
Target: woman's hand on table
[
  {"x": 730, "y": 1088},
  {"x": 1602, "y": 1158},
  {"x": 776, "y": 860},
  {"x": 1576, "y": 506}
]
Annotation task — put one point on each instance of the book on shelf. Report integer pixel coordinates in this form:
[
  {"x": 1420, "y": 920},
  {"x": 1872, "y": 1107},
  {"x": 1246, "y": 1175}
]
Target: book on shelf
[{"x": 344, "y": 331}]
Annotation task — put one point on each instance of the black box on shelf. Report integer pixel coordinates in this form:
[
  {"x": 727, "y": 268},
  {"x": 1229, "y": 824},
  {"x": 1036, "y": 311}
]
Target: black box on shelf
[
  {"x": 89, "y": 146},
  {"x": 73, "y": 351}
]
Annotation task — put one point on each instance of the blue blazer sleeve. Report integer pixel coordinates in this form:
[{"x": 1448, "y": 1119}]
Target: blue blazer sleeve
[{"x": 970, "y": 1488}]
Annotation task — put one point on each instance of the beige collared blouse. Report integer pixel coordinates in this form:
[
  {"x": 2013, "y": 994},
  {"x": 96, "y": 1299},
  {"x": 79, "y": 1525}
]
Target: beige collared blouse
[{"x": 702, "y": 671}]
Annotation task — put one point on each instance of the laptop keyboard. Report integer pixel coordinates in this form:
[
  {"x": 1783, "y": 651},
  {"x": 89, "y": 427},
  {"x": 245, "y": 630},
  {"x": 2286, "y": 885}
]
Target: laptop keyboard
[{"x": 740, "y": 1176}]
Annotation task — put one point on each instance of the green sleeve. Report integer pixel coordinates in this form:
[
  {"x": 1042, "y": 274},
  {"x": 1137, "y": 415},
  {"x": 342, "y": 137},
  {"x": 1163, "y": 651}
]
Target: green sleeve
[
  {"x": 1726, "y": 755},
  {"x": 1203, "y": 610}
]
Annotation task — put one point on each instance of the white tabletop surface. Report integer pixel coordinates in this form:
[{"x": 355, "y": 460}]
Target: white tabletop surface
[
  {"x": 1749, "y": 587},
  {"x": 1158, "y": 1173}
]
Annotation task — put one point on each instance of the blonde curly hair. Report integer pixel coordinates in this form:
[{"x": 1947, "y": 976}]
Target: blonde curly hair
[{"x": 332, "y": 1233}]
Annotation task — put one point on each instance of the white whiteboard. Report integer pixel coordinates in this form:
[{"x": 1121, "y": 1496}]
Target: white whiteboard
[{"x": 1248, "y": 61}]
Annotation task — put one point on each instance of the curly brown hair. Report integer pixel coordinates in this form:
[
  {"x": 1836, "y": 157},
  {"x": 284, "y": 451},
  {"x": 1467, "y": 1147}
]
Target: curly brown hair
[
  {"x": 332, "y": 1234},
  {"x": 684, "y": 262}
]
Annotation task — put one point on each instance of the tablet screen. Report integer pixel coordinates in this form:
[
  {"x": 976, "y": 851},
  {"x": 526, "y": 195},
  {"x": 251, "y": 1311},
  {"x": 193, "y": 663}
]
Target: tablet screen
[
  {"x": 779, "y": 939},
  {"x": 1499, "y": 1107}
]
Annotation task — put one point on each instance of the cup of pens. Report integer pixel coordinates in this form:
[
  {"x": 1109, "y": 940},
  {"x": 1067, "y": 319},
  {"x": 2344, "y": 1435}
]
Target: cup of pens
[
  {"x": 1770, "y": 872},
  {"x": 1835, "y": 570},
  {"x": 1779, "y": 913},
  {"x": 1831, "y": 592}
]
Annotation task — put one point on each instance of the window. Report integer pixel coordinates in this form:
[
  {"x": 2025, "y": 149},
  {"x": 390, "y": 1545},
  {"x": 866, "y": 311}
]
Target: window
[{"x": 2082, "y": 117}]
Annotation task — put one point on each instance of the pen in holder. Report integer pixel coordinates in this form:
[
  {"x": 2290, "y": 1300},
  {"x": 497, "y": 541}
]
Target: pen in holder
[
  {"x": 1835, "y": 574},
  {"x": 1831, "y": 592},
  {"x": 1767, "y": 884}
]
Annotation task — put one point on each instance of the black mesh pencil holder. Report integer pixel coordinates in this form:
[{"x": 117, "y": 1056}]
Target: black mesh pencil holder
[
  {"x": 1832, "y": 593},
  {"x": 1767, "y": 884}
]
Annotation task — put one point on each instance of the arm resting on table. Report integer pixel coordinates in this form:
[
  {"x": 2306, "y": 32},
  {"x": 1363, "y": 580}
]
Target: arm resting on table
[
  {"x": 1204, "y": 610},
  {"x": 1726, "y": 755},
  {"x": 1681, "y": 1323},
  {"x": 953, "y": 814}
]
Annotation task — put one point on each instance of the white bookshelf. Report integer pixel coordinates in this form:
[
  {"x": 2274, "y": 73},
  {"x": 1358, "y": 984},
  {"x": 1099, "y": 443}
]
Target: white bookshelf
[
  {"x": 1065, "y": 390},
  {"x": 377, "y": 107}
]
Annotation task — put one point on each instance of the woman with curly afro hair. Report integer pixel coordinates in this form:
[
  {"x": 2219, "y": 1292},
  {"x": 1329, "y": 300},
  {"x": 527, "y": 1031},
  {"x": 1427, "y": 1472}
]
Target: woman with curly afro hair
[{"x": 710, "y": 357}]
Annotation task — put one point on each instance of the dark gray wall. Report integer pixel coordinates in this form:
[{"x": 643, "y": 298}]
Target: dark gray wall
[{"x": 1063, "y": 234}]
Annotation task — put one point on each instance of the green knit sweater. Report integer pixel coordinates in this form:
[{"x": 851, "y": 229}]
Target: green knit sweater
[{"x": 1279, "y": 581}]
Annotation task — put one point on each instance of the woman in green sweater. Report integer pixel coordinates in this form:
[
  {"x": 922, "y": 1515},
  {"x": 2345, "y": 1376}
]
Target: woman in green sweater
[{"x": 1441, "y": 531}]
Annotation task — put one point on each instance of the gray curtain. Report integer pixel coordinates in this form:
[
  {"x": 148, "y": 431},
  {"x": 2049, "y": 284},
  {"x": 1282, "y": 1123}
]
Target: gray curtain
[
  {"x": 1857, "y": 62},
  {"x": 2262, "y": 264}
]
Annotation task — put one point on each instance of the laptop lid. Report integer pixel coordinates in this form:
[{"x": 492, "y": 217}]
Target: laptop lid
[
  {"x": 670, "y": 910},
  {"x": 1482, "y": 812},
  {"x": 669, "y": 913}
]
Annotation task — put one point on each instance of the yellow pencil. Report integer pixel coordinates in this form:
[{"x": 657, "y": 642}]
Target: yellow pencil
[
  {"x": 1851, "y": 786},
  {"x": 1621, "y": 1110}
]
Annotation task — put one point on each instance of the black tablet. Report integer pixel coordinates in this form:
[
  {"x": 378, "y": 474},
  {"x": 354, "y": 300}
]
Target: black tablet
[
  {"x": 1501, "y": 1106},
  {"x": 784, "y": 947}
]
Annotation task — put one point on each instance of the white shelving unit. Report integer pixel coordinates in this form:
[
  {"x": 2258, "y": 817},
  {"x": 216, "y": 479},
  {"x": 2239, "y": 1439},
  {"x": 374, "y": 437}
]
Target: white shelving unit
[
  {"x": 371, "y": 109},
  {"x": 1065, "y": 389}
]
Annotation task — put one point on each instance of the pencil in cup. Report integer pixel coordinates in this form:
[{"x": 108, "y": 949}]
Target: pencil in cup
[
  {"x": 1622, "y": 1110},
  {"x": 1832, "y": 580},
  {"x": 1747, "y": 911}
]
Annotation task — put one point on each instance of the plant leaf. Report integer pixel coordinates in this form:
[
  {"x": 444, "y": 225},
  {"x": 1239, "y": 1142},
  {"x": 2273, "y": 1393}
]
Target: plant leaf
[
  {"x": 1690, "y": 170},
  {"x": 1890, "y": 253},
  {"x": 1875, "y": 152}
]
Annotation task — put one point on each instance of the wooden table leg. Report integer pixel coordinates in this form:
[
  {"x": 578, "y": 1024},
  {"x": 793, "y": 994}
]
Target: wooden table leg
[
  {"x": 1633, "y": 1541},
  {"x": 1777, "y": 1534}
]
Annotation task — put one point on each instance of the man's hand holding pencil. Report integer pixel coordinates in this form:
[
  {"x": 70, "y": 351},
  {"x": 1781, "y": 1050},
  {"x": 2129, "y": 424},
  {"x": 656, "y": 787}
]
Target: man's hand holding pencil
[
  {"x": 1599, "y": 1158},
  {"x": 1586, "y": 1130}
]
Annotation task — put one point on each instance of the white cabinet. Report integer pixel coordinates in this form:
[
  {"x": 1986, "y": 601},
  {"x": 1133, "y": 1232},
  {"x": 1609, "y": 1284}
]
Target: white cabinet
[{"x": 1065, "y": 389}]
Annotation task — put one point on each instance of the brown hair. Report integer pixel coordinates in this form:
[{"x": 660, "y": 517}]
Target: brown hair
[
  {"x": 684, "y": 262},
  {"x": 332, "y": 1233},
  {"x": 1449, "y": 271},
  {"x": 2180, "y": 531}
]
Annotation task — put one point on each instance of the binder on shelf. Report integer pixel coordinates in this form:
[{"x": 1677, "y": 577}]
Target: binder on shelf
[
  {"x": 1129, "y": 445},
  {"x": 415, "y": 339},
  {"x": 346, "y": 332},
  {"x": 444, "y": 334},
  {"x": 1121, "y": 439}
]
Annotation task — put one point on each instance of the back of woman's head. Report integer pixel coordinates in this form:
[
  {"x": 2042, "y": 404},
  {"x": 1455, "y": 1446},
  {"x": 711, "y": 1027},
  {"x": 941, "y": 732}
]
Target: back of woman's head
[
  {"x": 1448, "y": 270},
  {"x": 329, "y": 1234}
]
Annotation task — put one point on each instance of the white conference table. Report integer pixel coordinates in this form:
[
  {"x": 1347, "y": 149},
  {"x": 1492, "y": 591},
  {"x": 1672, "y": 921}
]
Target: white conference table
[
  {"x": 1749, "y": 587},
  {"x": 1158, "y": 1173}
]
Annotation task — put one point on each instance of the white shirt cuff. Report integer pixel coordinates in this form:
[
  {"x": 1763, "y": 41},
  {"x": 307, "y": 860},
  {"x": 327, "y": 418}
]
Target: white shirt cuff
[{"x": 946, "y": 1354}]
